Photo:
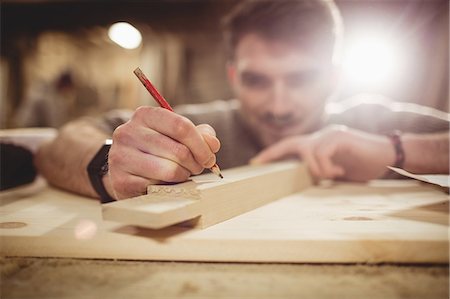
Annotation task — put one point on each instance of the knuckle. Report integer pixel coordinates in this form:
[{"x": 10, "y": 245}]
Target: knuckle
[
  {"x": 181, "y": 152},
  {"x": 142, "y": 112},
  {"x": 182, "y": 127},
  {"x": 121, "y": 134},
  {"x": 175, "y": 174}
]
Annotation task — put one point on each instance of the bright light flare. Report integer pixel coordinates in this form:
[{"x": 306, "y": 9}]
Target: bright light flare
[
  {"x": 371, "y": 61},
  {"x": 125, "y": 35}
]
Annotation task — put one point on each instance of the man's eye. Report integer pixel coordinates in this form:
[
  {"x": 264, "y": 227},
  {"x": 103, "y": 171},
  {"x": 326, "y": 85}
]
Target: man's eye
[{"x": 255, "y": 81}]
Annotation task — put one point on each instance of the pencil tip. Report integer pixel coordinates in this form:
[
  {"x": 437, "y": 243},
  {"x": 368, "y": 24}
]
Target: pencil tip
[{"x": 216, "y": 170}]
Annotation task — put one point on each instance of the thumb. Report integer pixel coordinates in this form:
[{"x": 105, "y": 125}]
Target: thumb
[
  {"x": 324, "y": 156},
  {"x": 209, "y": 135}
]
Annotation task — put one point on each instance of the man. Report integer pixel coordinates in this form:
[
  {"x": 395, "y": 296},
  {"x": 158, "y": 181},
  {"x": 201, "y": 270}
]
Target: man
[{"x": 282, "y": 70}]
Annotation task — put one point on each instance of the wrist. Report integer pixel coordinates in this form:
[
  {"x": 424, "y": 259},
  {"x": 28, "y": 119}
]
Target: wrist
[
  {"x": 108, "y": 186},
  {"x": 426, "y": 153}
]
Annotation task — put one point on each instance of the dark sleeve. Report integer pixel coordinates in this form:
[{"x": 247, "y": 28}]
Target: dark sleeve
[{"x": 16, "y": 166}]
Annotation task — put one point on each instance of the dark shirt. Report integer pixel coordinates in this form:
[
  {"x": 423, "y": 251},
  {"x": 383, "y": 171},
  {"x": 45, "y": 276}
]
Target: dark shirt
[{"x": 367, "y": 113}]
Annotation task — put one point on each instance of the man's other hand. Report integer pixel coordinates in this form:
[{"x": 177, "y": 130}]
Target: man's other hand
[{"x": 336, "y": 152}]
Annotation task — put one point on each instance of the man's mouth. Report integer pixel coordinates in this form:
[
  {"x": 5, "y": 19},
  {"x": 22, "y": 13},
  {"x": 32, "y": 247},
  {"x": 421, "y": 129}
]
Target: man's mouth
[{"x": 281, "y": 128}]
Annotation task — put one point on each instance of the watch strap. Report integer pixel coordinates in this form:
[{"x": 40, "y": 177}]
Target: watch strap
[
  {"x": 97, "y": 169},
  {"x": 396, "y": 141}
]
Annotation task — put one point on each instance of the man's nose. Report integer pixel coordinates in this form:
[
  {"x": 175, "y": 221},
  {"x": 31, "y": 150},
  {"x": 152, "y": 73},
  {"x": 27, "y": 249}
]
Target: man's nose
[{"x": 279, "y": 105}]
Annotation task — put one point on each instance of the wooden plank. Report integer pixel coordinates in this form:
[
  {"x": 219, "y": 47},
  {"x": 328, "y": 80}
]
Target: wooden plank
[
  {"x": 210, "y": 199},
  {"x": 389, "y": 221}
]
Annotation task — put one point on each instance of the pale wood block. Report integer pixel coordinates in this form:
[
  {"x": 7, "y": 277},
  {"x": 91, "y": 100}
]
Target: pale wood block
[{"x": 210, "y": 200}]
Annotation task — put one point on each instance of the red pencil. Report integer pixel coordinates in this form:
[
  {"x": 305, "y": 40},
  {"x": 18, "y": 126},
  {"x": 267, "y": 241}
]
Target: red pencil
[{"x": 164, "y": 104}]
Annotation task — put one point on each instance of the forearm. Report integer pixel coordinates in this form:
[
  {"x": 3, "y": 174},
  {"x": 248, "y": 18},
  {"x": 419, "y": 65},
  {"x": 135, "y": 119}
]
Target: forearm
[
  {"x": 63, "y": 161},
  {"x": 426, "y": 153}
]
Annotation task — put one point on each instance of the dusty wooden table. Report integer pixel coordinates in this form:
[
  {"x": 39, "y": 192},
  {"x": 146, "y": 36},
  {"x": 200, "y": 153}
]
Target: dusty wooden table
[{"x": 41, "y": 275}]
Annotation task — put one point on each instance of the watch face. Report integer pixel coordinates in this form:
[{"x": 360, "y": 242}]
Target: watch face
[{"x": 104, "y": 168}]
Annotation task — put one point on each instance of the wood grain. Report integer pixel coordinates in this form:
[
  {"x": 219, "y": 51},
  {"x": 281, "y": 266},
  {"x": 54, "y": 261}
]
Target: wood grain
[
  {"x": 210, "y": 199},
  {"x": 383, "y": 221}
]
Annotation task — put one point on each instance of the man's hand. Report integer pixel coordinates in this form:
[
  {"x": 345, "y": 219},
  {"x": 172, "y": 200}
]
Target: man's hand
[
  {"x": 157, "y": 145},
  {"x": 336, "y": 152}
]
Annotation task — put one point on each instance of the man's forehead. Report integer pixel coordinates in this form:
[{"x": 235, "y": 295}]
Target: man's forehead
[{"x": 258, "y": 54}]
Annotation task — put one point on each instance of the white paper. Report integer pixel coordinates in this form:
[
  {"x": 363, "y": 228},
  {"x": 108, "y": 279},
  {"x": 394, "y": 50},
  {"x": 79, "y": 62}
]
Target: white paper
[{"x": 442, "y": 180}]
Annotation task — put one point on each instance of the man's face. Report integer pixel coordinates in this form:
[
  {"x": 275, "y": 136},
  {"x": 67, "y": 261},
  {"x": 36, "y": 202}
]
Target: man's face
[{"x": 281, "y": 88}]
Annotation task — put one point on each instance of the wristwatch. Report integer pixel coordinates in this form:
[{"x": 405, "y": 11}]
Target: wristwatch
[{"x": 97, "y": 169}]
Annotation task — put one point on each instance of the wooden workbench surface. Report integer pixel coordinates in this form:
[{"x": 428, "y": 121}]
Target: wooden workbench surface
[
  {"x": 390, "y": 221},
  {"x": 402, "y": 205}
]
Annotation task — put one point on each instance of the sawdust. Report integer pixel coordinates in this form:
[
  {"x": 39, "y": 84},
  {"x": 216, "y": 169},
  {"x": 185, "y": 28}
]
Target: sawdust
[{"x": 71, "y": 278}]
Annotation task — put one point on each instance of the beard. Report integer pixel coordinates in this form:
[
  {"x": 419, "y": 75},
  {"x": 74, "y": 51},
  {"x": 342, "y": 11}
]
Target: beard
[{"x": 270, "y": 128}]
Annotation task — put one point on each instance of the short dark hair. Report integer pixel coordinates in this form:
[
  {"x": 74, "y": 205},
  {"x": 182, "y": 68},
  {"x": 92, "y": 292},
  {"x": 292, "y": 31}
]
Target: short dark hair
[{"x": 314, "y": 24}]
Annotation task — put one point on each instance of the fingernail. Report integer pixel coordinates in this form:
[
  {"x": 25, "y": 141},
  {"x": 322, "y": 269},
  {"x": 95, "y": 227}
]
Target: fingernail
[
  {"x": 210, "y": 162},
  {"x": 207, "y": 130}
]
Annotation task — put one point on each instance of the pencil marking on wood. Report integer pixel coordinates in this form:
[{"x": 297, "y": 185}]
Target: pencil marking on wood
[{"x": 173, "y": 191}]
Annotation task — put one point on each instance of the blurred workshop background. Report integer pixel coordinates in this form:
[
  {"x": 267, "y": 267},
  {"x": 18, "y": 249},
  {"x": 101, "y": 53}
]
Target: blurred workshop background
[{"x": 61, "y": 59}]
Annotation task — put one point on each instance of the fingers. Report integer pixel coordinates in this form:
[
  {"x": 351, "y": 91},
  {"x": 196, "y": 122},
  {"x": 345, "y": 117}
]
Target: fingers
[
  {"x": 277, "y": 151},
  {"x": 180, "y": 129},
  {"x": 130, "y": 137},
  {"x": 131, "y": 171},
  {"x": 209, "y": 135},
  {"x": 152, "y": 167},
  {"x": 158, "y": 145},
  {"x": 316, "y": 151},
  {"x": 164, "y": 147},
  {"x": 312, "y": 163},
  {"x": 297, "y": 146},
  {"x": 327, "y": 168}
]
